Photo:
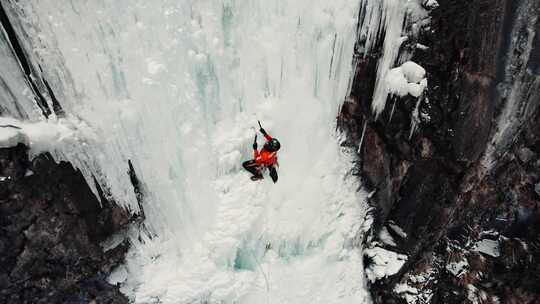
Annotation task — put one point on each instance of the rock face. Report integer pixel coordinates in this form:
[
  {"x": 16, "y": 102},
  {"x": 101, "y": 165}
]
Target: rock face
[
  {"x": 51, "y": 226},
  {"x": 467, "y": 175}
]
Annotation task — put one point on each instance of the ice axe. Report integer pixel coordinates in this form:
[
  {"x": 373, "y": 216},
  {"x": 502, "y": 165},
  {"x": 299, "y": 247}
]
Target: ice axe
[
  {"x": 255, "y": 140},
  {"x": 263, "y": 131}
]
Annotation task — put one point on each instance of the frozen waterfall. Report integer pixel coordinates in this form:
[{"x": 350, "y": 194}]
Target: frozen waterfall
[{"x": 174, "y": 87}]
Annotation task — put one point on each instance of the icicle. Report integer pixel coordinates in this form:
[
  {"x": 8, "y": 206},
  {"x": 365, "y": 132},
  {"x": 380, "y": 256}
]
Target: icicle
[
  {"x": 362, "y": 138},
  {"x": 415, "y": 117},
  {"x": 393, "y": 109},
  {"x": 393, "y": 22},
  {"x": 383, "y": 17}
]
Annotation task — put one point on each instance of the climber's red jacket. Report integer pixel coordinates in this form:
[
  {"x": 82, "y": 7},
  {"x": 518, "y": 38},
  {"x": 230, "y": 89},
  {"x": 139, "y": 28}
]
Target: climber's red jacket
[{"x": 265, "y": 157}]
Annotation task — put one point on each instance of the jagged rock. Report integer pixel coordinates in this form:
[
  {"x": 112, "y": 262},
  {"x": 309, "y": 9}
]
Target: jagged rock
[
  {"x": 51, "y": 226},
  {"x": 470, "y": 166}
]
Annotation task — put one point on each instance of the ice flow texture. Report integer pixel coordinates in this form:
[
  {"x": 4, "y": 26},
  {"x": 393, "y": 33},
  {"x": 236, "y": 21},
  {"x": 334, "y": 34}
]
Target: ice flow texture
[{"x": 159, "y": 82}]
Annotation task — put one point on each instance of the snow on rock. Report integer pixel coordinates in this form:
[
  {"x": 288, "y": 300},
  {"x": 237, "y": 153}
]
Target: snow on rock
[
  {"x": 489, "y": 247},
  {"x": 413, "y": 71},
  {"x": 397, "y": 230},
  {"x": 417, "y": 287},
  {"x": 416, "y": 89},
  {"x": 386, "y": 238},
  {"x": 430, "y": 4},
  {"x": 404, "y": 288},
  {"x": 409, "y": 78},
  {"x": 11, "y": 136},
  {"x": 118, "y": 275},
  {"x": 458, "y": 268},
  {"x": 410, "y": 294},
  {"x": 397, "y": 83},
  {"x": 422, "y": 47},
  {"x": 39, "y": 136},
  {"x": 383, "y": 263}
]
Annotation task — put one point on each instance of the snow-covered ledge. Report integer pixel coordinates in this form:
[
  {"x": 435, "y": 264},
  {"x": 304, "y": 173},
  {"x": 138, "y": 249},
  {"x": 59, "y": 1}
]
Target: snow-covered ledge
[
  {"x": 384, "y": 263},
  {"x": 39, "y": 136}
]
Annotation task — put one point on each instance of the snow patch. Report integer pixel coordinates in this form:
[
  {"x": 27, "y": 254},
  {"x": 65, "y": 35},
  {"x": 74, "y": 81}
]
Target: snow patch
[
  {"x": 11, "y": 136},
  {"x": 458, "y": 268},
  {"x": 422, "y": 47},
  {"x": 383, "y": 263},
  {"x": 39, "y": 136},
  {"x": 489, "y": 247},
  {"x": 409, "y": 78},
  {"x": 386, "y": 238},
  {"x": 413, "y": 72},
  {"x": 430, "y": 4},
  {"x": 410, "y": 294},
  {"x": 397, "y": 230},
  {"x": 118, "y": 275},
  {"x": 396, "y": 82}
]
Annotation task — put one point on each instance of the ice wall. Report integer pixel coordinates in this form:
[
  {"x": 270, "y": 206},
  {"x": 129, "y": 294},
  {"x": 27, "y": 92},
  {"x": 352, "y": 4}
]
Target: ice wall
[{"x": 174, "y": 87}]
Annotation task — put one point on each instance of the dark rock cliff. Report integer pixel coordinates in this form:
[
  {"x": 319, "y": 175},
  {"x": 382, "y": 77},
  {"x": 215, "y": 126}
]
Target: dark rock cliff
[
  {"x": 471, "y": 171},
  {"x": 51, "y": 227}
]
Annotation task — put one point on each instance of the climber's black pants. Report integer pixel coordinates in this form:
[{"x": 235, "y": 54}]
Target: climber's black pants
[
  {"x": 252, "y": 167},
  {"x": 255, "y": 169}
]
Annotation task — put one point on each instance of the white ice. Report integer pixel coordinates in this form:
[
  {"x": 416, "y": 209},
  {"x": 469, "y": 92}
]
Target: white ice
[
  {"x": 175, "y": 87},
  {"x": 10, "y": 137},
  {"x": 410, "y": 294},
  {"x": 41, "y": 136},
  {"x": 384, "y": 263},
  {"x": 409, "y": 78}
]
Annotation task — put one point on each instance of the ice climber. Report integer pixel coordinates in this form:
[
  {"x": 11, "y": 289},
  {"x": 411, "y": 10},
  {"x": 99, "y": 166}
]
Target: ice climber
[{"x": 266, "y": 158}]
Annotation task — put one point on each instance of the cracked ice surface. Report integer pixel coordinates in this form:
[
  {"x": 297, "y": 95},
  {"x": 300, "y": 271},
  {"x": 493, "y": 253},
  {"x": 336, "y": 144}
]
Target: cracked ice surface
[{"x": 174, "y": 86}]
